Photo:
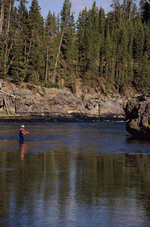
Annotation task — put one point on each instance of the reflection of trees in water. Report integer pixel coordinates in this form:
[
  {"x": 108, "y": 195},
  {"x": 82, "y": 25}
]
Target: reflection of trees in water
[
  {"x": 36, "y": 175},
  {"x": 139, "y": 161},
  {"x": 139, "y": 167},
  {"x": 112, "y": 176},
  {"x": 3, "y": 185},
  {"x": 99, "y": 175},
  {"x": 59, "y": 174}
]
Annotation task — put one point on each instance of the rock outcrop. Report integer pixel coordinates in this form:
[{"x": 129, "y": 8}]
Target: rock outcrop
[
  {"x": 32, "y": 100},
  {"x": 137, "y": 113}
]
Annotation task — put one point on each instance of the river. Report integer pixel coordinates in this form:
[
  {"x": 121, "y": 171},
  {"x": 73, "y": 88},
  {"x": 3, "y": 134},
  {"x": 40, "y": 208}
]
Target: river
[{"x": 73, "y": 172}]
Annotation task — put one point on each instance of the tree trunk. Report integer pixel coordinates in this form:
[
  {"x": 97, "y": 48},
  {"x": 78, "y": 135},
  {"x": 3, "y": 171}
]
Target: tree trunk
[
  {"x": 46, "y": 66},
  {"x": 30, "y": 46},
  {"x": 2, "y": 17},
  {"x": 8, "y": 51},
  {"x": 7, "y": 33},
  {"x": 58, "y": 53},
  {"x": 130, "y": 10}
]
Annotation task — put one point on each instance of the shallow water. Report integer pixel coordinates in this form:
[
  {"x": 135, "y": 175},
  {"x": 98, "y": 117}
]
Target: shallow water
[{"x": 73, "y": 172}]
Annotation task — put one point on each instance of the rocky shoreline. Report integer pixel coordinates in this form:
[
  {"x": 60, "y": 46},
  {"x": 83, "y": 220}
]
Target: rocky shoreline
[
  {"x": 137, "y": 113},
  {"x": 29, "y": 100}
]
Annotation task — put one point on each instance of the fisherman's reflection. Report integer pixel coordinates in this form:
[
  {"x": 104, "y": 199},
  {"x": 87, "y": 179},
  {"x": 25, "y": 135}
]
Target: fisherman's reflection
[{"x": 23, "y": 150}]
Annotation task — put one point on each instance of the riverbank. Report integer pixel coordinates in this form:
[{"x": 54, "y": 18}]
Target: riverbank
[
  {"x": 28, "y": 100},
  {"x": 38, "y": 117}
]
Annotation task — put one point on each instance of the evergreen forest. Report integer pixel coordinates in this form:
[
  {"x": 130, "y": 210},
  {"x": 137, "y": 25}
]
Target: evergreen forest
[{"x": 105, "y": 51}]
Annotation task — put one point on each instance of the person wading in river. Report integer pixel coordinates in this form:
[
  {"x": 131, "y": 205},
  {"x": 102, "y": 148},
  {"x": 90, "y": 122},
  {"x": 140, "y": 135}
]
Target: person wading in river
[{"x": 22, "y": 132}]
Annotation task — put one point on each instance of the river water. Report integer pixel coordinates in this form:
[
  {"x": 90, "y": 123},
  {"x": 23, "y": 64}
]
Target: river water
[{"x": 73, "y": 172}]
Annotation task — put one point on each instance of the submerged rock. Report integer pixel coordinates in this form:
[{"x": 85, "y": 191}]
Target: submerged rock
[{"x": 137, "y": 113}]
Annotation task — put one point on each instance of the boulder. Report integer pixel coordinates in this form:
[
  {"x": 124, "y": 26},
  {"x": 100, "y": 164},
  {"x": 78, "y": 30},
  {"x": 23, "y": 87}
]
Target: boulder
[
  {"x": 112, "y": 107},
  {"x": 137, "y": 111}
]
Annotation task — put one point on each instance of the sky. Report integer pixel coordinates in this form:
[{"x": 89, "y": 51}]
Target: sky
[{"x": 77, "y": 6}]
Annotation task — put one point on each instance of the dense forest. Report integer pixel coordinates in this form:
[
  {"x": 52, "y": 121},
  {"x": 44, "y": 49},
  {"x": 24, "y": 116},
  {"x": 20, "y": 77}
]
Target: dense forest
[{"x": 105, "y": 51}]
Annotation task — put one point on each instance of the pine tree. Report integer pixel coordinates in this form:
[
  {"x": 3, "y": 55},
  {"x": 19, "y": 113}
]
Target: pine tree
[
  {"x": 65, "y": 25},
  {"x": 122, "y": 56},
  {"x": 17, "y": 66},
  {"x": 70, "y": 56},
  {"x": 81, "y": 28},
  {"x": 9, "y": 30},
  {"x": 66, "y": 51},
  {"x": 65, "y": 17},
  {"x": 112, "y": 26},
  {"x": 117, "y": 14},
  {"x": 146, "y": 28},
  {"x": 138, "y": 39},
  {"x": 145, "y": 10},
  {"x": 18, "y": 52},
  {"x": 89, "y": 45},
  {"x": 130, "y": 33},
  {"x": 51, "y": 31},
  {"x": 37, "y": 48},
  {"x": 142, "y": 75},
  {"x": 108, "y": 57},
  {"x": 102, "y": 21},
  {"x": 94, "y": 44}
]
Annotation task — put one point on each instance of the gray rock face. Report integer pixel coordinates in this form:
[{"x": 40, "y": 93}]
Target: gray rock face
[
  {"x": 112, "y": 107},
  {"x": 137, "y": 113},
  {"x": 31, "y": 100}
]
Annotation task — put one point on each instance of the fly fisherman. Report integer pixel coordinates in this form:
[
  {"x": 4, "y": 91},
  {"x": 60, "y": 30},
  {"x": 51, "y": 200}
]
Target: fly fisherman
[{"x": 22, "y": 132}]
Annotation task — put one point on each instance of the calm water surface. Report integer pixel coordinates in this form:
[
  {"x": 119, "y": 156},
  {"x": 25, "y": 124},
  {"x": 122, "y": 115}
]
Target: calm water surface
[{"x": 73, "y": 172}]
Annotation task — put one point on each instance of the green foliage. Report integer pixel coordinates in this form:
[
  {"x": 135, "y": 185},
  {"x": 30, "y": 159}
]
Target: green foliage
[
  {"x": 37, "y": 46},
  {"x": 5, "y": 112},
  {"x": 143, "y": 75},
  {"x": 113, "y": 49},
  {"x": 51, "y": 84},
  {"x": 138, "y": 39}
]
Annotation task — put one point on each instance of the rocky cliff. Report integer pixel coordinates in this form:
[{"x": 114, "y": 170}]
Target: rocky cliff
[
  {"x": 137, "y": 113},
  {"x": 31, "y": 100}
]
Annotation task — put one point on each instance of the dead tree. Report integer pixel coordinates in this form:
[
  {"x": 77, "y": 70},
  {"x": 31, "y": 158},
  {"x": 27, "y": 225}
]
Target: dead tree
[
  {"x": 60, "y": 43},
  {"x": 2, "y": 17}
]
